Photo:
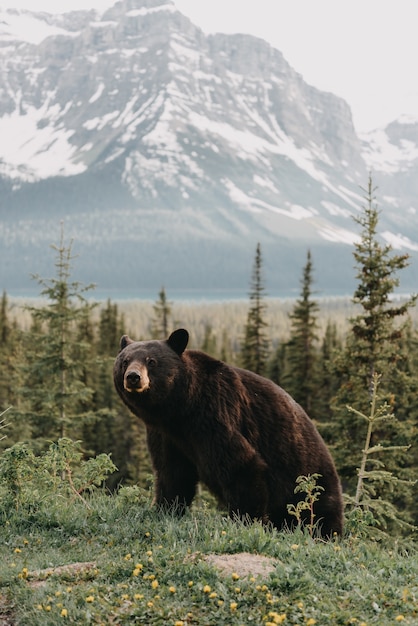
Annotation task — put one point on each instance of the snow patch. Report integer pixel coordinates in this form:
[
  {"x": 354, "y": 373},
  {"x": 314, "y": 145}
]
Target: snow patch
[
  {"x": 255, "y": 205},
  {"x": 147, "y": 11},
  {"x": 382, "y": 155},
  {"x": 399, "y": 242},
  {"x": 334, "y": 209},
  {"x": 27, "y": 27},
  {"x": 338, "y": 235},
  {"x": 32, "y": 152},
  {"x": 98, "y": 93},
  {"x": 260, "y": 181}
]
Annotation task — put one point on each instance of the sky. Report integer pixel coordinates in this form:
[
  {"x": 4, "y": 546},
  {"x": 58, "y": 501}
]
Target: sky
[{"x": 365, "y": 51}]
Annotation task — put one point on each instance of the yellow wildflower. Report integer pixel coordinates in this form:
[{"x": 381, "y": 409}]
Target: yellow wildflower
[
  {"x": 172, "y": 589},
  {"x": 276, "y": 617},
  {"x": 64, "y": 613},
  {"x": 155, "y": 584},
  {"x": 399, "y": 618},
  {"x": 190, "y": 583},
  {"x": 90, "y": 599},
  {"x": 213, "y": 595},
  {"x": 235, "y": 576},
  {"x": 206, "y": 589},
  {"x": 233, "y": 606},
  {"x": 311, "y": 621}
]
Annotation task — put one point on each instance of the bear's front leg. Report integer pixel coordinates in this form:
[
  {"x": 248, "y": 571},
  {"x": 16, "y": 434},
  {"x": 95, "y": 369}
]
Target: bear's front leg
[{"x": 175, "y": 475}]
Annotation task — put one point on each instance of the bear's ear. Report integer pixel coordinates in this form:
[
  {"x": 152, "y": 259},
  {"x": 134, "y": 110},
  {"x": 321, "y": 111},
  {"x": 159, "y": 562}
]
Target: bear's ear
[
  {"x": 125, "y": 341},
  {"x": 178, "y": 340}
]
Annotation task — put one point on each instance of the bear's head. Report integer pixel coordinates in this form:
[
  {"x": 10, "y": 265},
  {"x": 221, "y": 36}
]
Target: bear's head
[{"x": 145, "y": 371}]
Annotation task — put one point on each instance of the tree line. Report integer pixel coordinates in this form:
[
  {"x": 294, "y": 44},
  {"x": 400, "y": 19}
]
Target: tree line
[{"x": 56, "y": 375}]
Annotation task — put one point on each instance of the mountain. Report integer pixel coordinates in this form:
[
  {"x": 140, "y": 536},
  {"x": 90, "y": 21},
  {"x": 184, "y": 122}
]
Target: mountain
[{"x": 168, "y": 154}]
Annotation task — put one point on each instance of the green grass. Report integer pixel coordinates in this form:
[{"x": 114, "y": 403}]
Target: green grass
[{"x": 148, "y": 568}]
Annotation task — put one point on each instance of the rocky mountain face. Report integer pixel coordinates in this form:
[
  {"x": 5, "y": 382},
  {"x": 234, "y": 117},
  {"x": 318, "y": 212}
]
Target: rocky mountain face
[{"x": 168, "y": 154}]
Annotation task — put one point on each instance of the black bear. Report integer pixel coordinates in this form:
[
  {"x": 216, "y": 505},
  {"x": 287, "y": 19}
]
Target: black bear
[{"x": 238, "y": 433}]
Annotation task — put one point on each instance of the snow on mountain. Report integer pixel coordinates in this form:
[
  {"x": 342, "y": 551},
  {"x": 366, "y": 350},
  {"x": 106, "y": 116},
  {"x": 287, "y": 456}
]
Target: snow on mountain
[
  {"x": 23, "y": 26},
  {"x": 146, "y": 135}
]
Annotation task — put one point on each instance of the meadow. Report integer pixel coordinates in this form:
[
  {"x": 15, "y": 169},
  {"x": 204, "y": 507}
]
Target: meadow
[{"x": 119, "y": 561}]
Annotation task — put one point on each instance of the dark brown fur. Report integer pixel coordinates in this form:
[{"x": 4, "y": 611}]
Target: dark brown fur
[{"x": 237, "y": 432}]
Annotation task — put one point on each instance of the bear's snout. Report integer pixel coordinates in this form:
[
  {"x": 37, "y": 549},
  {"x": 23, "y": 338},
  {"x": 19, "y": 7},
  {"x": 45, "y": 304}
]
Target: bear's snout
[{"x": 136, "y": 380}]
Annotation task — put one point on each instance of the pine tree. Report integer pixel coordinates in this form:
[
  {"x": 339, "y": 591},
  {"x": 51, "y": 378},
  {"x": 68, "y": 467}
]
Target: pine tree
[
  {"x": 300, "y": 375},
  {"x": 374, "y": 342},
  {"x": 110, "y": 427},
  {"x": 254, "y": 352},
  {"x": 52, "y": 371},
  {"x": 162, "y": 310},
  {"x": 209, "y": 341},
  {"x": 328, "y": 379},
  {"x": 5, "y": 353}
]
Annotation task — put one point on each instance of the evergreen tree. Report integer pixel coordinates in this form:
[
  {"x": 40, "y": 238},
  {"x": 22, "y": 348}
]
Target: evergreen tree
[
  {"x": 162, "y": 311},
  {"x": 110, "y": 428},
  {"x": 254, "y": 351},
  {"x": 328, "y": 379},
  {"x": 300, "y": 375},
  {"x": 373, "y": 345},
  {"x": 276, "y": 365},
  {"x": 5, "y": 332},
  {"x": 209, "y": 341},
  {"x": 54, "y": 364}
]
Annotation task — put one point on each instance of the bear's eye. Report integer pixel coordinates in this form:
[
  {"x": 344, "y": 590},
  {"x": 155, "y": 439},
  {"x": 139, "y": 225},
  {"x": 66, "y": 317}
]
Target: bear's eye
[
  {"x": 151, "y": 362},
  {"x": 125, "y": 363}
]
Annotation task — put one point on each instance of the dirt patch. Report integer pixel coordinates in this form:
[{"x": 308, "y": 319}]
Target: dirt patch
[
  {"x": 244, "y": 564},
  {"x": 37, "y": 578}
]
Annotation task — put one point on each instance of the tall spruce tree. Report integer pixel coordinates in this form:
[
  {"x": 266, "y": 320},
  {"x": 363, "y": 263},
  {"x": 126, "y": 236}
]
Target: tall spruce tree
[
  {"x": 52, "y": 371},
  {"x": 373, "y": 344},
  {"x": 300, "y": 373},
  {"x": 255, "y": 347},
  {"x": 162, "y": 312}
]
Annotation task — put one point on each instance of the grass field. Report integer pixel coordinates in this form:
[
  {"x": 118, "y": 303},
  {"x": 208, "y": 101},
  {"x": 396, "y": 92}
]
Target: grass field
[{"x": 118, "y": 561}]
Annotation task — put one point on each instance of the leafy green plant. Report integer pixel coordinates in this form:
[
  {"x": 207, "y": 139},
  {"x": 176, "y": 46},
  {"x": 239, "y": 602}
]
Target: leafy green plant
[
  {"x": 308, "y": 485},
  {"x": 59, "y": 472}
]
